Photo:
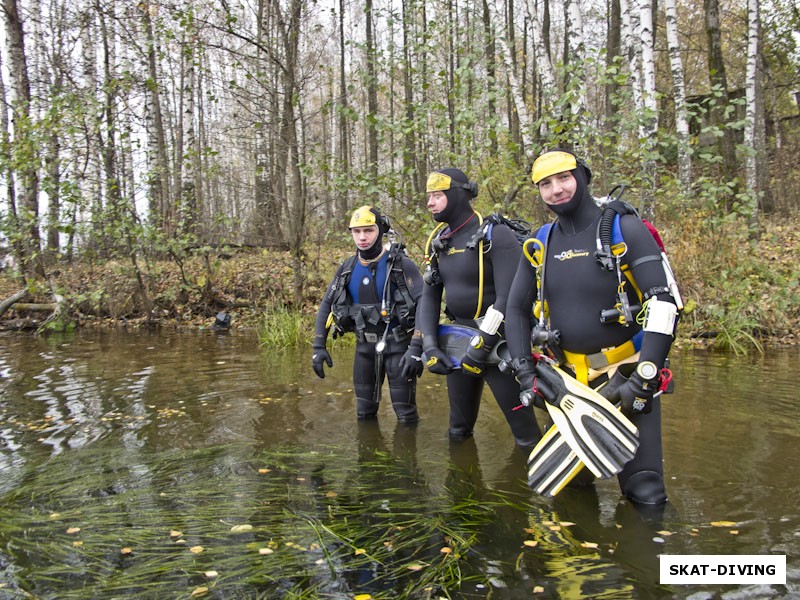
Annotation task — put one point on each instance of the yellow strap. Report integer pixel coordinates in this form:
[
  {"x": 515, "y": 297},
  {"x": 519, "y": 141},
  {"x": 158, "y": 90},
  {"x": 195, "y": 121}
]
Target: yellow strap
[{"x": 583, "y": 362}]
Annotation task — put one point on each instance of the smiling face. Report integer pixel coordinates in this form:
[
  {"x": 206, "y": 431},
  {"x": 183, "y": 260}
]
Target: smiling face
[
  {"x": 364, "y": 237},
  {"x": 558, "y": 189},
  {"x": 437, "y": 202}
]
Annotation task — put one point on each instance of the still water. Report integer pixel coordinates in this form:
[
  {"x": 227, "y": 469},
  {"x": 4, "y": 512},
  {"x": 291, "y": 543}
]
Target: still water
[{"x": 178, "y": 465}]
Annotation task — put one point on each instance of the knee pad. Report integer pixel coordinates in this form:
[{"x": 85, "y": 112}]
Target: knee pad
[{"x": 645, "y": 487}]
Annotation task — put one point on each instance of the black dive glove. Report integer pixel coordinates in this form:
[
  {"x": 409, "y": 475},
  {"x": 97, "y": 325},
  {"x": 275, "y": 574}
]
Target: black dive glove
[
  {"x": 525, "y": 372},
  {"x": 437, "y": 361},
  {"x": 480, "y": 348},
  {"x": 320, "y": 355},
  {"x": 411, "y": 362},
  {"x": 635, "y": 393}
]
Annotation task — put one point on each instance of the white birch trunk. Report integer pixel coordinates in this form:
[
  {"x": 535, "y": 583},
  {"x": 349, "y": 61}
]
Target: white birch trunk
[
  {"x": 517, "y": 92},
  {"x": 751, "y": 81},
  {"x": 544, "y": 67},
  {"x": 630, "y": 43},
  {"x": 577, "y": 53},
  {"x": 679, "y": 93}
]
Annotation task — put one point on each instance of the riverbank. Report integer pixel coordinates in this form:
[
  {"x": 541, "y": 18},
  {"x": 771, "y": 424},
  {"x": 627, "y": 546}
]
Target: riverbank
[{"x": 739, "y": 294}]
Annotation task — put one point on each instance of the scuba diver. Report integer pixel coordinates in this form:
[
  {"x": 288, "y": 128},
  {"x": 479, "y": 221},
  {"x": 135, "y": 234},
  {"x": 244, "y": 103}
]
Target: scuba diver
[
  {"x": 605, "y": 313},
  {"x": 374, "y": 295},
  {"x": 474, "y": 276}
]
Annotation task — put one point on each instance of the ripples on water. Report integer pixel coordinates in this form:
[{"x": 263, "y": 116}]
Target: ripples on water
[{"x": 162, "y": 427}]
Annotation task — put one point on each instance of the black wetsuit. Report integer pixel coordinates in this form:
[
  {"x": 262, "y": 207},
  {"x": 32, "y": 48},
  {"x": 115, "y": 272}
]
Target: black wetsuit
[
  {"x": 364, "y": 293},
  {"x": 576, "y": 290},
  {"x": 462, "y": 284}
]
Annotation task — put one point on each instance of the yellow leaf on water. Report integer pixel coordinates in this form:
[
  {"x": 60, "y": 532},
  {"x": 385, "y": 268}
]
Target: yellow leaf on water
[
  {"x": 196, "y": 549},
  {"x": 264, "y": 471},
  {"x": 567, "y": 523},
  {"x": 734, "y": 532},
  {"x": 199, "y": 591},
  {"x": 265, "y": 550},
  {"x": 73, "y": 530},
  {"x": 555, "y": 528},
  {"x": 537, "y": 589},
  {"x": 723, "y": 523},
  {"x": 241, "y": 528},
  {"x": 360, "y": 551},
  {"x": 362, "y": 597},
  {"x": 174, "y": 533},
  {"x": 664, "y": 533},
  {"x": 55, "y": 515},
  {"x": 77, "y": 544},
  {"x": 415, "y": 567},
  {"x": 590, "y": 545},
  {"x": 529, "y": 530},
  {"x": 446, "y": 550},
  {"x": 126, "y": 550},
  {"x": 531, "y": 543},
  {"x": 331, "y": 495},
  {"x": 211, "y": 574}
]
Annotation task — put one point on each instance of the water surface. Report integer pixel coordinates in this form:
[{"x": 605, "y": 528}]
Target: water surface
[{"x": 129, "y": 459}]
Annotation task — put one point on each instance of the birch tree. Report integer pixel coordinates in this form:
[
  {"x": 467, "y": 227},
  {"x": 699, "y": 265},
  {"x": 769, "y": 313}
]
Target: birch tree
[
  {"x": 751, "y": 86},
  {"x": 678, "y": 93}
]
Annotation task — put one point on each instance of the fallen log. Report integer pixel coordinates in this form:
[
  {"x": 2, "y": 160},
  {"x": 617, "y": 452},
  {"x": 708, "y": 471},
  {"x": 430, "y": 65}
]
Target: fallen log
[
  {"x": 35, "y": 307},
  {"x": 12, "y": 300}
]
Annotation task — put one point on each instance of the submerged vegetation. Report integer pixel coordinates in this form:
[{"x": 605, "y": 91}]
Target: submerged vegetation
[{"x": 218, "y": 521}]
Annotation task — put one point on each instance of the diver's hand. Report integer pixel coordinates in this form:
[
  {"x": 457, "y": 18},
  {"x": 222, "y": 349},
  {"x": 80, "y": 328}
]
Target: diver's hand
[
  {"x": 320, "y": 355},
  {"x": 525, "y": 373},
  {"x": 411, "y": 362},
  {"x": 438, "y": 362},
  {"x": 634, "y": 395},
  {"x": 480, "y": 348}
]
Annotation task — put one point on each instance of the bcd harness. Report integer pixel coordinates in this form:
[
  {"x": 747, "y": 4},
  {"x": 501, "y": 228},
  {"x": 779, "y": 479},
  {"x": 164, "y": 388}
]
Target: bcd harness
[
  {"x": 365, "y": 319},
  {"x": 481, "y": 240},
  {"x": 610, "y": 250}
]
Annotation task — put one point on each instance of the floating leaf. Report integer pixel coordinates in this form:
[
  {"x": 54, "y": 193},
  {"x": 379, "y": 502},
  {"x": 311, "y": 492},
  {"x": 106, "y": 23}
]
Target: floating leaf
[
  {"x": 55, "y": 515},
  {"x": 723, "y": 523},
  {"x": 174, "y": 533},
  {"x": 265, "y": 550},
  {"x": 362, "y": 597},
  {"x": 360, "y": 551},
  {"x": 531, "y": 543},
  {"x": 211, "y": 574},
  {"x": 77, "y": 544},
  {"x": 73, "y": 530},
  {"x": 664, "y": 533},
  {"x": 264, "y": 471},
  {"x": 415, "y": 567},
  {"x": 555, "y": 528},
  {"x": 446, "y": 550},
  {"x": 196, "y": 549},
  {"x": 241, "y": 528},
  {"x": 331, "y": 495},
  {"x": 734, "y": 532},
  {"x": 199, "y": 591},
  {"x": 591, "y": 545},
  {"x": 658, "y": 540},
  {"x": 126, "y": 550},
  {"x": 566, "y": 523},
  {"x": 537, "y": 589}
]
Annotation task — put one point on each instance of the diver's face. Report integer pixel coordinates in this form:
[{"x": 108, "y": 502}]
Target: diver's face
[
  {"x": 558, "y": 189},
  {"x": 437, "y": 202},
  {"x": 364, "y": 237}
]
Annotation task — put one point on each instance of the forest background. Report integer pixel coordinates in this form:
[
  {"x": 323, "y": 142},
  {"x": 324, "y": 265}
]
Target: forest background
[{"x": 161, "y": 162}]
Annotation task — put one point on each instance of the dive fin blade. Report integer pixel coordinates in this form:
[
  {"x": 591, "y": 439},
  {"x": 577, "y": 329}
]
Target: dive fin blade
[{"x": 588, "y": 431}]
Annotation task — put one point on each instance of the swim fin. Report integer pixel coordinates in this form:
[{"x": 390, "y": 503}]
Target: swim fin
[{"x": 587, "y": 429}]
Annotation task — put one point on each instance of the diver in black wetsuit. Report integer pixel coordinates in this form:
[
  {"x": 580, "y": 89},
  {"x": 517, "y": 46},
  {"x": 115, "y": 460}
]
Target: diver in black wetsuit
[
  {"x": 374, "y": 295},
  {"x": 475, "y": 285},
  {"x": 576, "y": 290}
]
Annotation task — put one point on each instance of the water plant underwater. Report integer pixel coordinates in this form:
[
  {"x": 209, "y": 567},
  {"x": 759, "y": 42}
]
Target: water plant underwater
[{"x": 223, "y": 522}]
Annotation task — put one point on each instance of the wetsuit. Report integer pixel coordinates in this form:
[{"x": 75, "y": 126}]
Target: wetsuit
[
  {"x": 364, "y": 293},
  {"x": 461, "y": 285},
  {"x": 576, "y": 290}
]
